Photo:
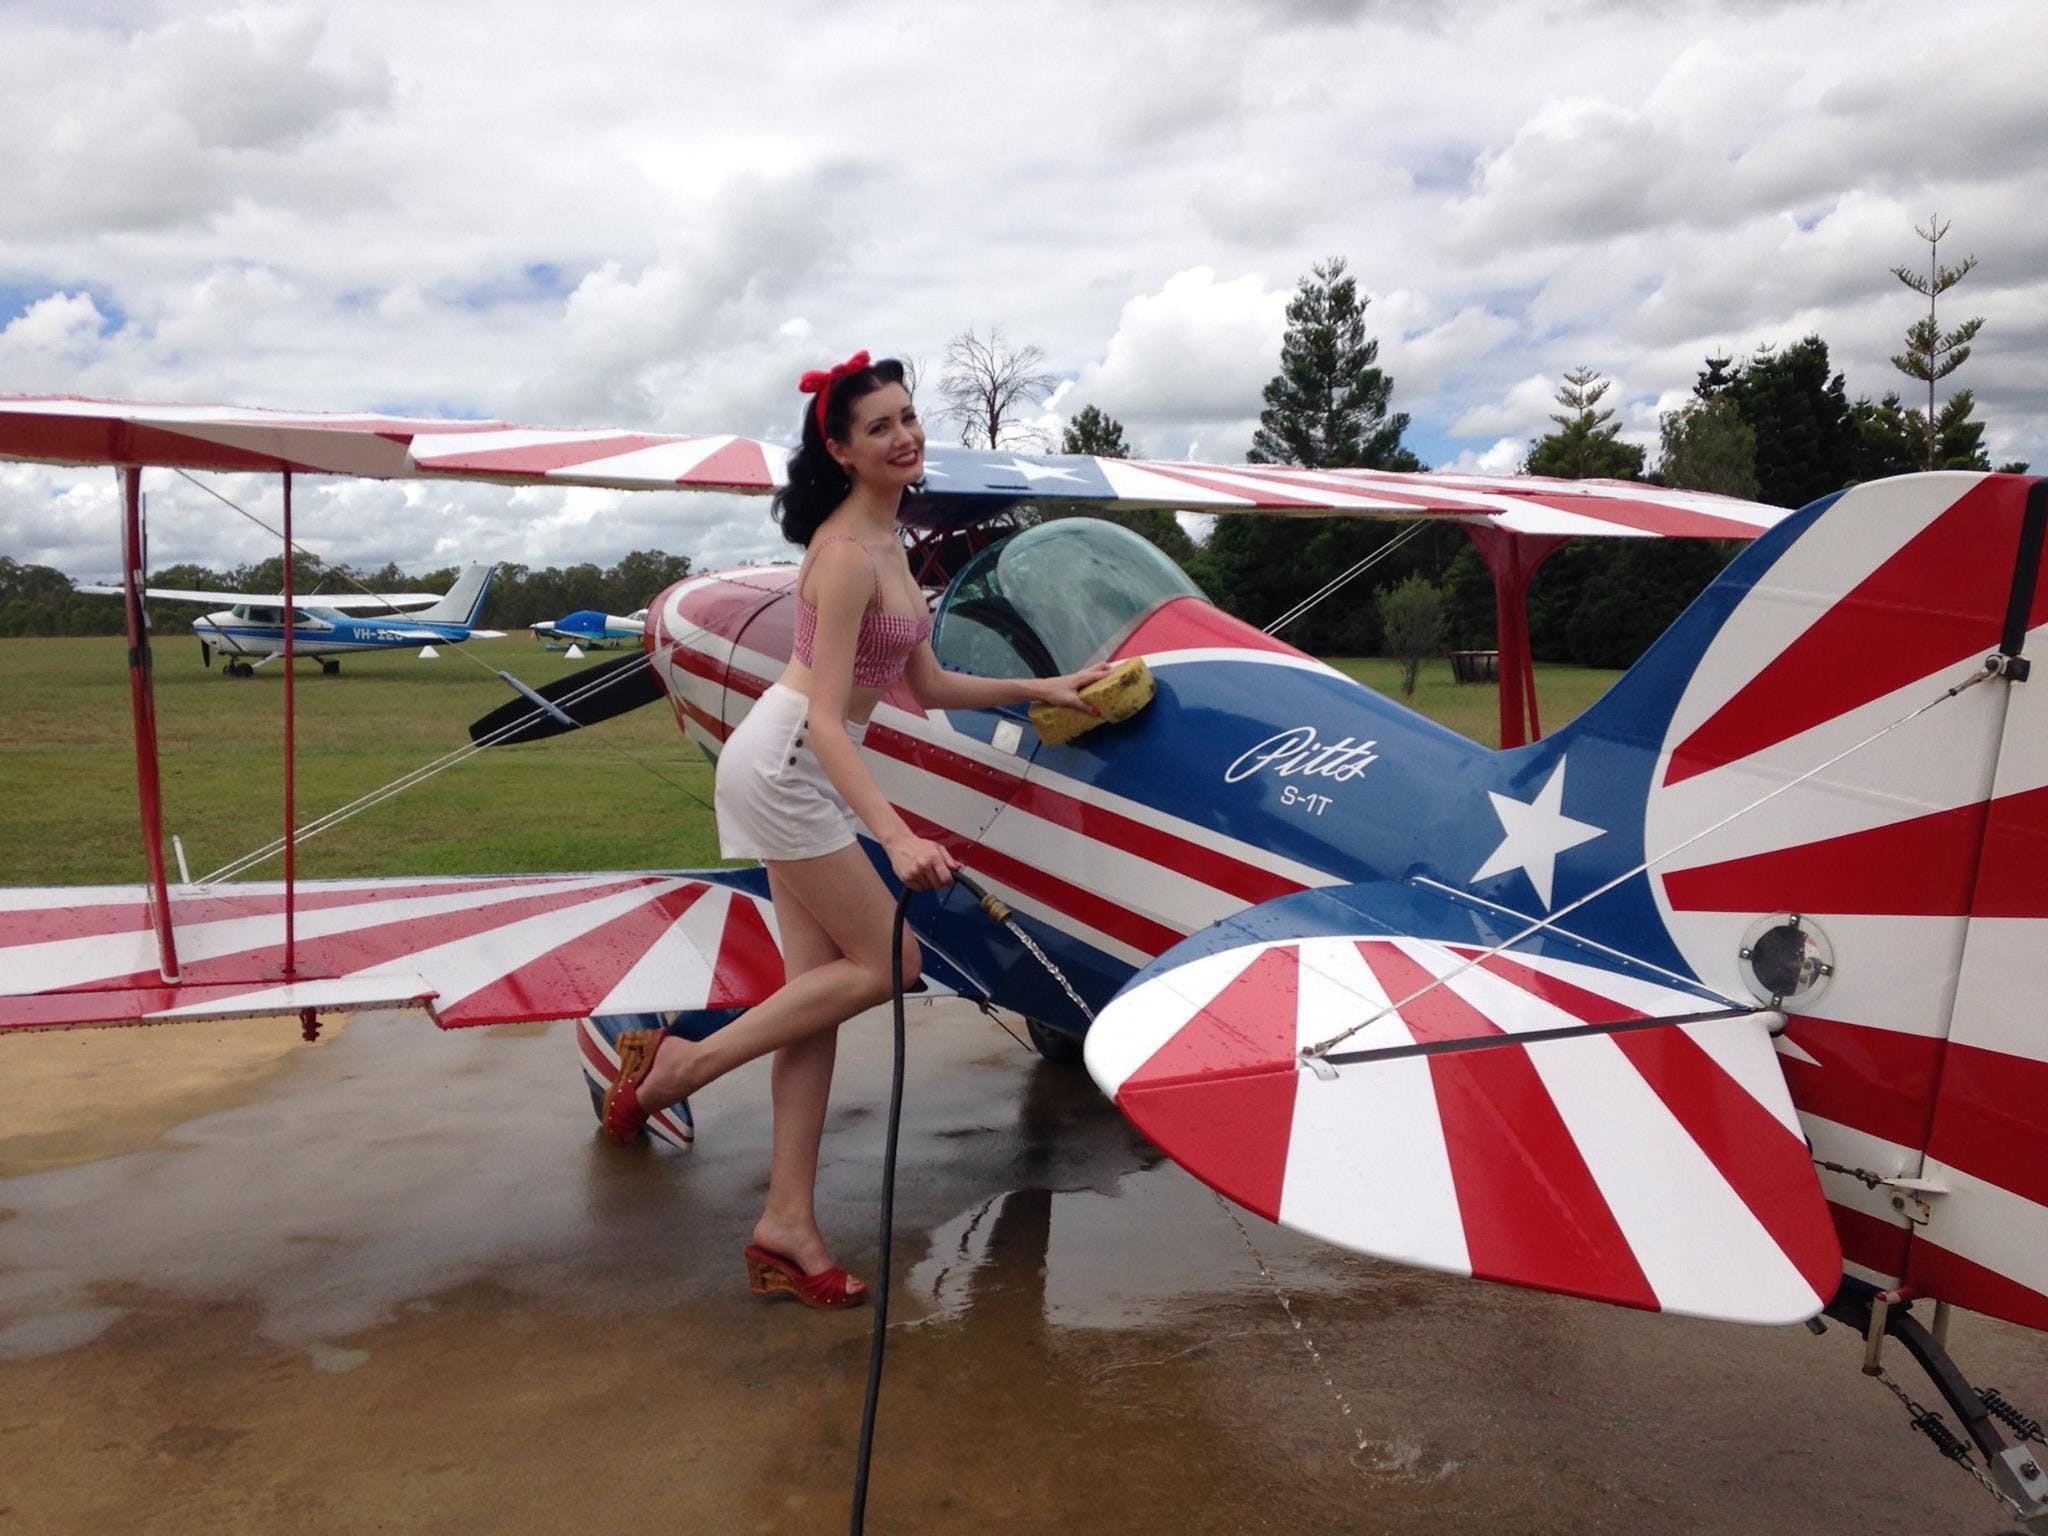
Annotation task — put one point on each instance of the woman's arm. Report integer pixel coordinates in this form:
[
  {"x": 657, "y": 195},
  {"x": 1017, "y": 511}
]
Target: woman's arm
[
  {"x": 936, "y": 688},
  {"x": 843, "y": 580}
]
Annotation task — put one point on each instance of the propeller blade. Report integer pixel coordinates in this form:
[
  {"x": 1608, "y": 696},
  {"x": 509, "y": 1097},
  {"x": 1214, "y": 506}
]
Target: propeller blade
[
  {"x": 586, "y": 697},
  {"x": 206, "y": 655}
]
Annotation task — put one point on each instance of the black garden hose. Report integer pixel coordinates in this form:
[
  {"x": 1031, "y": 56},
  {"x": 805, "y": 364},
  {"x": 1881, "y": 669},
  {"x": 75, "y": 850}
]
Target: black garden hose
[{"x": 879, "y": 1330}]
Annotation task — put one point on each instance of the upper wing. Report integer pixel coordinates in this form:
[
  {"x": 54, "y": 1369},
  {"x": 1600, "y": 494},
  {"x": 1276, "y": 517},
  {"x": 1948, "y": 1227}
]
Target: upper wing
[
  {"x": 962, "y": 485},
  {"x": 381, "y": 602},
  {"x": 1553, "y": 1117}
]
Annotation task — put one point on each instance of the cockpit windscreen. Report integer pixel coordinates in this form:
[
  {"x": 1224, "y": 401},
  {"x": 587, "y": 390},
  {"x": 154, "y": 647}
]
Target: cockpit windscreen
[{"x": 1053, "y": 598}]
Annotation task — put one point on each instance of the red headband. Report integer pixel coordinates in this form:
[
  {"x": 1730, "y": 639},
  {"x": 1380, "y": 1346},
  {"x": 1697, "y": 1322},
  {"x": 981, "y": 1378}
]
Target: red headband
[{"x": 819, "y": 382}]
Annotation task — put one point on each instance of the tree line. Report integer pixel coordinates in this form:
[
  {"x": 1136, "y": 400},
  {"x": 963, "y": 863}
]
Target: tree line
[{"x": 39, "y": 600}]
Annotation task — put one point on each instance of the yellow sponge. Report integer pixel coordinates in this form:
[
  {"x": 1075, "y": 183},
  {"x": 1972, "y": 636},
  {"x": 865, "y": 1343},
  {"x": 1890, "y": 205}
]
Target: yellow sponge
[{"x": 1118, "y": 696}]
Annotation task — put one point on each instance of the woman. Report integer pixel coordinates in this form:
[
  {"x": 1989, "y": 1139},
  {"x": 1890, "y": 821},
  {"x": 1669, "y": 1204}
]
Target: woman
[{"x": 788, "y": 780}]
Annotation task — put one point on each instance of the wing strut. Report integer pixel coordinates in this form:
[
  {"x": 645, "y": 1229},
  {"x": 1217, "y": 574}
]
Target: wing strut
[
  {"x": 142, "y": 703},
  {"x": 291, "y": 872}
]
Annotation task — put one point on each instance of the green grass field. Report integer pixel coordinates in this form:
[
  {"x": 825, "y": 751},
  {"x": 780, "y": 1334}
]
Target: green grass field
[{"x": 631, "y": 794}]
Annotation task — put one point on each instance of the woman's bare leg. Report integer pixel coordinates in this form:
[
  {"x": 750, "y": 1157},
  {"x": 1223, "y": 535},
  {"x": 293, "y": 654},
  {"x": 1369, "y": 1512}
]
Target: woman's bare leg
[
  {"x": 847, "y": 899},
  {"x": 801, "y": 1083}
]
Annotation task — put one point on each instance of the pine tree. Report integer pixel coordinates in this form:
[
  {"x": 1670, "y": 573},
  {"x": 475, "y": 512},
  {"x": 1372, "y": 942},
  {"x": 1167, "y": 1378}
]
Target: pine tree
[
  {"x": 1806, "y": 442},
  {"x": 1093, "y": 430},
  {"x": 1587, "y": 444},
  {"x": 1930, "y": 353},
  {"x": 1325, "y": 409},
  {"x": 1327, "y": 406}
]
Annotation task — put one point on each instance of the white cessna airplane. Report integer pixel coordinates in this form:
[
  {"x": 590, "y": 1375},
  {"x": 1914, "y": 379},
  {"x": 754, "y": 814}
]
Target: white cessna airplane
[{"x": 250, "y": 634}]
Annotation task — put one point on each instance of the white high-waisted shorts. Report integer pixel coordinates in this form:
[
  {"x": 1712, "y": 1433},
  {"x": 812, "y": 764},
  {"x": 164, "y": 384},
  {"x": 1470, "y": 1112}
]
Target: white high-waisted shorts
[{"x": 772, "y": 796}]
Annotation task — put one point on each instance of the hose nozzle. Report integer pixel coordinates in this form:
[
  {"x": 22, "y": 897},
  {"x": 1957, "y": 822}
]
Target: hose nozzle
[{"x": 991, "y": 904}]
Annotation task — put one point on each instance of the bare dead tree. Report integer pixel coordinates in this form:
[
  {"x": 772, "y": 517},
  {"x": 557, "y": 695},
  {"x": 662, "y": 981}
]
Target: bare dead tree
[{"x": 987, "y": 383}]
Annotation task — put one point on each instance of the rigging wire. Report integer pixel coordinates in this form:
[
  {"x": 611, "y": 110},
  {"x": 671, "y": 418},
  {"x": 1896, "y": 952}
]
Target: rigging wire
[
  {"x": 378, "y": 796},
  {"x": 1330, "y": 588}
]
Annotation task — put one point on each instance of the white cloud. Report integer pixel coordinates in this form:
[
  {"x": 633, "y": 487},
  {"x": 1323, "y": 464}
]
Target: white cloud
[
  {"x": 1524, "y": 409},
  {"x": 563, "y": 215}
]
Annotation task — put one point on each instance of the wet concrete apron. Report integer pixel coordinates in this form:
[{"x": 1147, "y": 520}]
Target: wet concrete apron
[{"x": 392, "y": 1282}]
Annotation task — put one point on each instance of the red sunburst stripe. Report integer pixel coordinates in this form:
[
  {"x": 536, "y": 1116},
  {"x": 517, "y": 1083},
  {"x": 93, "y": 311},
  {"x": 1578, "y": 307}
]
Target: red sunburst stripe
[
  {"x": 1267, "y": 496},
  {"x": 2011, "y": 881},
  {"x": 1936, "y": 1271},
  {"x": 1219, "y": 1095},
  {"x": 739, "y": 463},
  {"x": 109, "y": 440},
  {"x": 1532, "y": 1210},
  {"x": 1870, "y": 1240},
  {"x": 1085, "y": 906},
  {"x": 749, "y": 966},
  {"x": 44, "y": 925},
  {"x": 1940, "y": 600},
  {"x": 372, "y": 946},
  {"x": 1624, "y": 512},
  {"x": 541, "y": 458},
  {"x": 1878, "y": 1081},
  {"x": 1762, "y": 1160},
  {"x": 1992, "y": 1118},
  {"x": 574, "y": 976},
  {"x": 1921, "y": 867}
]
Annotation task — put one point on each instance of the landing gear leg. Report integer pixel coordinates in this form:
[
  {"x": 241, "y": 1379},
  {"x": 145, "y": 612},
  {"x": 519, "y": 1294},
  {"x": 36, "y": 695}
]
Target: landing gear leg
[{"x": 2018, "y": 1474}]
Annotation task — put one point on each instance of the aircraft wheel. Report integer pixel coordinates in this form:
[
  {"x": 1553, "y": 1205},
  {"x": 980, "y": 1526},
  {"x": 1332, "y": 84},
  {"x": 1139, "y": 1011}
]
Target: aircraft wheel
[
  {"x": 1055, "y": 1045},
  {"x": 329, "y": 668}
]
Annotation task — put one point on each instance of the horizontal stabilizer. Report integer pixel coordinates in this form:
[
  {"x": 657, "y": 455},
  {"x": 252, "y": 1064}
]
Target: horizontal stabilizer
[
  {"x": 586, "y": 697},
  {"x": 1555, "y": 1116}
]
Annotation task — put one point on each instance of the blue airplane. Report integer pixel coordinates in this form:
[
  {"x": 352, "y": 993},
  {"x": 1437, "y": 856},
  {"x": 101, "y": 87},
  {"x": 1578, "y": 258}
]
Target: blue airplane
[
  {"x": 590, "y": 629},
  {"x": 250, "y": 634}
]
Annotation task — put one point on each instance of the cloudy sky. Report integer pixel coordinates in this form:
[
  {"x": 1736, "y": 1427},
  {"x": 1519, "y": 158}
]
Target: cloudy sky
[{"x": 656, "y": 216}]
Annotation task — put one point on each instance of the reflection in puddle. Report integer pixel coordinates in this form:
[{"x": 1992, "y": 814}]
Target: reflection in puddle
[{"x": 1131, "y": 1257}]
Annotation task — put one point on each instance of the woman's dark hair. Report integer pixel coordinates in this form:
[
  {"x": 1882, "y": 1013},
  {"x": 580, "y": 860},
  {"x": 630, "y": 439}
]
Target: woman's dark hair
[{"x": 816, "y": 483}]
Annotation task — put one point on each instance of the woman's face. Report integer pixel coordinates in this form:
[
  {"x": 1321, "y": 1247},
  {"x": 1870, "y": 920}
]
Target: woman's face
[{"x": 884, "y": 444}]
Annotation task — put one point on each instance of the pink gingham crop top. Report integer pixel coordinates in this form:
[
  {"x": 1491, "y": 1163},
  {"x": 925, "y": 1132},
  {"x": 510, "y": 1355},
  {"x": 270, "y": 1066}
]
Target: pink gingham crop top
[{"x": 886, "y": 639}]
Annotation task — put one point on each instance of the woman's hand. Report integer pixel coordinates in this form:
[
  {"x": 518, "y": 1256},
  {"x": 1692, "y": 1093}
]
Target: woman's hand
[
  {"x": 1067, "y": 690},
  {"x": 921, "y": 864}
]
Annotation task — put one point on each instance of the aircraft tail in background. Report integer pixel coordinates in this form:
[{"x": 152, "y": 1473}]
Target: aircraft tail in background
[{"x": 464, "y": 602}]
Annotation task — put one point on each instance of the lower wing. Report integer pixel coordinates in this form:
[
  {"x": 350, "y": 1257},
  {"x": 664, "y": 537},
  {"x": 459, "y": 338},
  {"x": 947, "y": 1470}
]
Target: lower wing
[{"x": 486, "y": 950}]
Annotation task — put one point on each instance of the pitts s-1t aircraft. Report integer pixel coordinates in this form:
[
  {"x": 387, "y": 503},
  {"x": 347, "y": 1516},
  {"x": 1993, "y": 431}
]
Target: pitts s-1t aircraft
[
  {"x": 1725, "y": 999},
  {"x": 330, "y": 626}
]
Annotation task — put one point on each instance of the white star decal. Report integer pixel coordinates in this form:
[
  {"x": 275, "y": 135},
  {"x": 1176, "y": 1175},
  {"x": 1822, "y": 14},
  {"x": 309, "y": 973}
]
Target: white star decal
[
  {"x": 1535, "y": 833},
  {"x": 1037, "y": 472}
]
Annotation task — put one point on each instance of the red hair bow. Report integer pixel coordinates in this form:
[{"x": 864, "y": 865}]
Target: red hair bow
[{"x": 819, "y": 381}]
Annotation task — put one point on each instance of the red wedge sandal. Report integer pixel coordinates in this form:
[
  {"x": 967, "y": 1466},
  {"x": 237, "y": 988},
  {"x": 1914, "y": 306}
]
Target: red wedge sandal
[
  {"x": 769, "y": 1272},
  {"x": 622, "y": 1117}
]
